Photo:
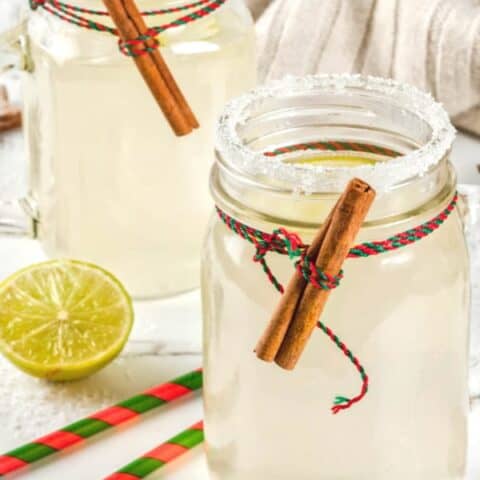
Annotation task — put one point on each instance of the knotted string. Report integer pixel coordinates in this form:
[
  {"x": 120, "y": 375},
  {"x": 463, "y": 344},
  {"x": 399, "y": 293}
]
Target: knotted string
[
  {"x": 287, "y": 243},
  {"x": 145, "y": 43}
]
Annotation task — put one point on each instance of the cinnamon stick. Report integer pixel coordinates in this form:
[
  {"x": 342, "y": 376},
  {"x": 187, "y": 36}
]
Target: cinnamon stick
[
  {"x": 270, "y": 342},
  {"x": 346, "y": 221},
  {"x": 3, "y": 96},
  {"x": 10, "y": 119},
  {"x": 10, "y": 116},
  {"x": 131, "y": 25},
  {"x": 302, "y": 304}
]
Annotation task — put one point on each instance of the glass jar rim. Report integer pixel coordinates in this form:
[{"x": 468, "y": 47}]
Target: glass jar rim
[{"x": 309, "y": 178}]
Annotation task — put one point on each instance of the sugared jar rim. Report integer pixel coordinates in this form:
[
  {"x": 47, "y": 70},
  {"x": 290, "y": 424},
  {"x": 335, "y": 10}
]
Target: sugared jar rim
[{"x": 304, "y": 177}]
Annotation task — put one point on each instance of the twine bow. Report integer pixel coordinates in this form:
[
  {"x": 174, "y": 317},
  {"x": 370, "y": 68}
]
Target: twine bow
[{"x": 288, "y": 243}]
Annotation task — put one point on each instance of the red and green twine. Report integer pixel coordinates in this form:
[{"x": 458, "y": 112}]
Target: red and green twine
[
  {"x": 288, "y": 243},
  {"x": 97, "y": 423},
  {"x": 139, "y": 46}
]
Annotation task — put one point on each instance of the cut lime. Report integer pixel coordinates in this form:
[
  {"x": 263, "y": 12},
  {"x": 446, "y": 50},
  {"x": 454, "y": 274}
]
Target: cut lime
[{"x": 63, "y": 319}]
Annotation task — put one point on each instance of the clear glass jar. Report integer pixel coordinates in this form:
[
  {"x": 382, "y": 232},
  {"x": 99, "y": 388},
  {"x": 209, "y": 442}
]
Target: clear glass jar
[
  {"x": 110, "y": 181},
  {"x": 404, "y": 313}
]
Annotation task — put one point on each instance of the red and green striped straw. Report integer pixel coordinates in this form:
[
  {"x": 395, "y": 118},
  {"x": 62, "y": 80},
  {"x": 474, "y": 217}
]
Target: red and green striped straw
[
  {"x": 162, "y": 455},
  {"x": 98, "y": 422}
]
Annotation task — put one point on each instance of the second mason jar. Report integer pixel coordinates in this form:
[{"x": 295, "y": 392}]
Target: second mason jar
[
  {"x": 109, "y": 180},
  {"x": 392, "y": 343}
]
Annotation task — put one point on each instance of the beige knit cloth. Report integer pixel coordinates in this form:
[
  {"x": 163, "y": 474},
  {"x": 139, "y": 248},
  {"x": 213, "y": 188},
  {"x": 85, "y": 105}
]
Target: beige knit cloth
[{"x": 434, "y": 44}]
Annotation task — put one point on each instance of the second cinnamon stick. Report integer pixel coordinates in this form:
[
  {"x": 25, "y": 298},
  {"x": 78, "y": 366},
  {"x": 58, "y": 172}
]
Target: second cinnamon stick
[
  {"x": 10, "y": 116},
  {"x": 10, "y": 119},
  {"x": 346, "y": 221},
  {"x": 271, "y": 340}
]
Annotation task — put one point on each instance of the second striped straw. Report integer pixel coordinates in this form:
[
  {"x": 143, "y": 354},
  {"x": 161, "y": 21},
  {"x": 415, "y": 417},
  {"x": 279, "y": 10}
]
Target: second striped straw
[
  {"x": 162, "y": 455},
  {"x": 94, "y": 424}
]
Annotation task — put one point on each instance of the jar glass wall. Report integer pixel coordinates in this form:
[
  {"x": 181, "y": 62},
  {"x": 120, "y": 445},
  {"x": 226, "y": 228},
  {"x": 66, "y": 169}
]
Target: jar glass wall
[
  {"x": 112, "y": 183},
  {"x": 403, "y": 313}
]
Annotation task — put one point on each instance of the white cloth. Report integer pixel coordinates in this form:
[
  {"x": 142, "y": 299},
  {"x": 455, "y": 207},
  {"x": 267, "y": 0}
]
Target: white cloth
[{"x": 433, "y": 44}]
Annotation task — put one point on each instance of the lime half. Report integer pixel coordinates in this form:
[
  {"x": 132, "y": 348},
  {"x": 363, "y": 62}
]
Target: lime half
[{"x": 63, "y": 319}]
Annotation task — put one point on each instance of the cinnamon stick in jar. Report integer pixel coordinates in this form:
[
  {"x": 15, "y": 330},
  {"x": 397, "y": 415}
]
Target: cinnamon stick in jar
[
  {"x": 271, "y": 341},
  {"x": 10, "y": 116},
  {"x": 3, "y": 96},
  {"x": 131, "y": 26},
  {"x": 346, "y": 221}
]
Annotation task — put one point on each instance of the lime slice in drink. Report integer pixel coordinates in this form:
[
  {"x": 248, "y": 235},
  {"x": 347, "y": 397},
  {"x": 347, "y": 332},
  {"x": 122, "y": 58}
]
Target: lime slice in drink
[
  {"x": 63, "y": 319},
  {"x": 336, "y": 160}
]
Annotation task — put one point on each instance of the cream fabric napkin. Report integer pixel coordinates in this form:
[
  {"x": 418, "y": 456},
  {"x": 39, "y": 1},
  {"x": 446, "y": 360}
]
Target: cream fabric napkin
[{"x": 434, "y": 44}]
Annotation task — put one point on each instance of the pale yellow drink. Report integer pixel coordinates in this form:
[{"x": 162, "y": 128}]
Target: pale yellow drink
[
  {"x": 112, "y": 183},
  {"x": 404, "y": 314}
]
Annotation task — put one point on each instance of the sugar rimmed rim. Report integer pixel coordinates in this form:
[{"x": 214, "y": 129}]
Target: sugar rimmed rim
[{"x": 310, "y": 178}]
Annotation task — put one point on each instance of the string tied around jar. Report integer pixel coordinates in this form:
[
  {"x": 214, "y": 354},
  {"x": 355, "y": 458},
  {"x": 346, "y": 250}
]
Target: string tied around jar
[
  {"x": 403, "y": 239},
  {"x": 143, "y": 44},
  {"x": 280, "y": 241},
  {"x": 146, "y": 43},
  {"x": 290, "y": 243},
  {"x": 34, "y": 4},
  {"x": 286, "y": 243},
  {"x": 317, "y": 277}
]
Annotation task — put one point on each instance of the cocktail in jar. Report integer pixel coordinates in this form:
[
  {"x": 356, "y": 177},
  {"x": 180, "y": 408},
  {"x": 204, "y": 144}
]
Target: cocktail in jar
[
  {"x": 111, "y": 182},
  {"x": 391, "y": 350}
]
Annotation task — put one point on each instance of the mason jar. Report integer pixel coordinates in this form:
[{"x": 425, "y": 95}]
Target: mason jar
[
  {"x": 395, "y": 330},
  {"x": 110, "y": 182}
]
